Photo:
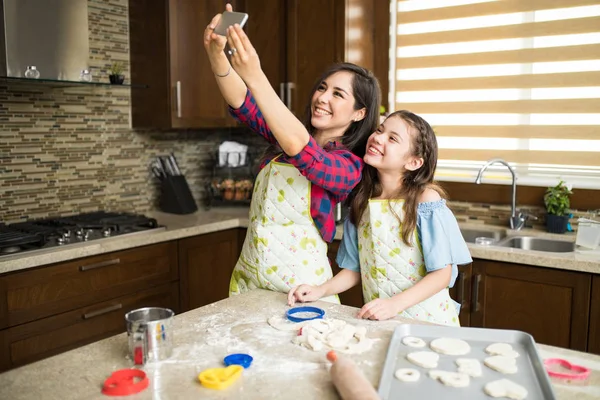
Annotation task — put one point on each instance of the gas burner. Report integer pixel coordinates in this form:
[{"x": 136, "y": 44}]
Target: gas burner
[
  {"x": 71, "y": 230},
  {"x": 10, "y": 250}
]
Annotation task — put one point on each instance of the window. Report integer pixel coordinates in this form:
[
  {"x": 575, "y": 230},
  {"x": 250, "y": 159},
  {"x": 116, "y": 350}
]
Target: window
[{"x": 514, "y": 79}]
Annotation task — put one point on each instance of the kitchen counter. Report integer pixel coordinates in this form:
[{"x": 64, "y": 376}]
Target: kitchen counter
[
  {"x": 217, "y": 219},
  {"x": 202, "y": 337}
]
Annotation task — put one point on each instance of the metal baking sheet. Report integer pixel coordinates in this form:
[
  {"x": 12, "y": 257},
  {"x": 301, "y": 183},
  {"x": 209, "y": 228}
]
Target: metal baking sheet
[{"x": 531, "y": 373}]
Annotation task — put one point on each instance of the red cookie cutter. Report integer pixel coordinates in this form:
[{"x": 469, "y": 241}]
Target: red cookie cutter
[
  {"x": 125, "y": 382},
  {"x": 579, "y": 372}
]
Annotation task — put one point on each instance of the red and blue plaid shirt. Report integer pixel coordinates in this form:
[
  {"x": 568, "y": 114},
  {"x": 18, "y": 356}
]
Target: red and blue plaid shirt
[{"x": 333, "y": 171}]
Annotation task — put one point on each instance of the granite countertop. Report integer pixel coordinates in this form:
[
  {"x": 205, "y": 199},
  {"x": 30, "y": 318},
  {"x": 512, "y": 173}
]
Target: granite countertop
[
  {"x": 217, "y": 219},
  {"x": 202, "y": 337}
]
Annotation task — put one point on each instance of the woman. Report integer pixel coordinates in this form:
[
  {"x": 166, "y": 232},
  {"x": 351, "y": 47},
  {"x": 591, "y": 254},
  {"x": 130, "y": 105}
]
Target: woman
[{"x": 308, "y": 168}]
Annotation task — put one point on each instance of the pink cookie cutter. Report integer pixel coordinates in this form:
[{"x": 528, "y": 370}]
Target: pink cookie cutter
[{"x": 579, "y": 372}]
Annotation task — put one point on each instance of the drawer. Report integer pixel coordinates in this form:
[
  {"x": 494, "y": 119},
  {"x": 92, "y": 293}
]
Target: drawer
[
  {"x": 33, "y": 294},
  {"x": 53, "y": 335}
]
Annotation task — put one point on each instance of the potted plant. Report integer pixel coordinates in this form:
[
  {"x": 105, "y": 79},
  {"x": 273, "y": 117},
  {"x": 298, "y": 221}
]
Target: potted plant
[
  {"x": 116, "y": 76},
  {"x": 557, "y": 205}
]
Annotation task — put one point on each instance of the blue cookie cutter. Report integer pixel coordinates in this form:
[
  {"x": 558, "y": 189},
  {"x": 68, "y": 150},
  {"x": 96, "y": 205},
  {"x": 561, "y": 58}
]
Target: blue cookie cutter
[
  {"x": 318, "y": 311},
  {"x": 238, "y": 359}
]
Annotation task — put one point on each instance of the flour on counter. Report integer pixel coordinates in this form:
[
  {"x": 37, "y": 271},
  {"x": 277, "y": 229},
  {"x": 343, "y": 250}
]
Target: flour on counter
[{"x": 320, "y": 334}]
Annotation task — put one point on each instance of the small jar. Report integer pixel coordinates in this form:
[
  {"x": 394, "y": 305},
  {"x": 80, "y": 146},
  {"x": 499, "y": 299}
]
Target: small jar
[
  {"x": 85, "y": 76},
  {"x": 32, "y": 72}
]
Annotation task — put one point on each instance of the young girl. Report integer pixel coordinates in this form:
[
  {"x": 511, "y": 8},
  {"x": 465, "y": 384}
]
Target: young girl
[
  {"x": 401, "y": 239},
  {"x": 308, "y": 169}
]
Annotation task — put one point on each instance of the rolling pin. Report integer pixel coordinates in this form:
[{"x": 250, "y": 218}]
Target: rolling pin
[{"x": 349, "y": 381}]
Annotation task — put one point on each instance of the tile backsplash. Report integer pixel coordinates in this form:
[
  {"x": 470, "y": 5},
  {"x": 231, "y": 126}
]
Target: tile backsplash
[{"x": 69, "y": 150}]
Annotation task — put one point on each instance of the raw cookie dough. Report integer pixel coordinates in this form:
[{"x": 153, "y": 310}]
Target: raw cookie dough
[
  {"x": 319, "y": 334},
  {"x": 506, "y": 365},
  {"x": 469, "y": 366},
  {"x": 412, "y": 341},
  {"x": 407, "y": 375},
  {"x": 425, "y": 359},
  {"x": 454, "y": 379},
  {"x": 501, "y": 349},
  {"x": 450, "y": 347},
  {"x": 505, "y": 388}
]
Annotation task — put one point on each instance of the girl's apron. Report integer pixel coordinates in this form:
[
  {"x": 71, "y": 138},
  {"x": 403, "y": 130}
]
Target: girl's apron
[
  {"x": 283, "y": 247},
  {"x": 388, "y": 266}
]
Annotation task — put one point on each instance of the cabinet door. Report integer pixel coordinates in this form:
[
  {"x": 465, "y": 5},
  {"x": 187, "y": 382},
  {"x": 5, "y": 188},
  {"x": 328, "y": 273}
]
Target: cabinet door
[
  {"x": 53, "y": 335},
  {"x": 197, "y": 101},
  {"x": 267, "y": 31},
  {"x": 594, "y": 335},
  {"x": 206, "y": 262},
  {"x": 354, "y": 296},
  {"x": 315, "y": 40},
  {"x": 550, "y": 304},
  {"x": 461, "y": 293}
]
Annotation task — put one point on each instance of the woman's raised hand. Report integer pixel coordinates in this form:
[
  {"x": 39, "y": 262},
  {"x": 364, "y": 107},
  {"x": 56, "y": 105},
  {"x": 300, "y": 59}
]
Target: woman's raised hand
[
  {"x": 243, "y": 55},
  {"x": 213, "y": 43}
]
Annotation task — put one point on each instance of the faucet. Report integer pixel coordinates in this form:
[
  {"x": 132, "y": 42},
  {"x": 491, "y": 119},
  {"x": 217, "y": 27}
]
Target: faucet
[{"x": 517, "y": 220}]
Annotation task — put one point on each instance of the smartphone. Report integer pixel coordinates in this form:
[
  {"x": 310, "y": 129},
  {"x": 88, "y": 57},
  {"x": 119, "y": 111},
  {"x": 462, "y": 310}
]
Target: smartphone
[{"x": 229, "y": 18}]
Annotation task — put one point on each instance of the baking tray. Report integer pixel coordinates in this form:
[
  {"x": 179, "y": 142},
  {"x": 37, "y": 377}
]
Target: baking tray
[{"x": 531, "y": 373}]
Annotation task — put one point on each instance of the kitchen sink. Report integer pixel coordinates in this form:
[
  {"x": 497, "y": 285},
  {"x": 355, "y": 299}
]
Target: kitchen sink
[
  {"x": 471, "y": 234},
  {"x": 538, "y": 244}
]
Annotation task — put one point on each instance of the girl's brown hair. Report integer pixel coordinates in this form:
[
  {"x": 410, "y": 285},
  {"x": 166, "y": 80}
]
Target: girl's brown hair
[
  {"x": 414, "y": 183},
  {"x": 367, "y": 94}
]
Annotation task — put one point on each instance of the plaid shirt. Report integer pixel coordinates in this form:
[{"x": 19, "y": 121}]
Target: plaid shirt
[{"x": 333, "y": 171}]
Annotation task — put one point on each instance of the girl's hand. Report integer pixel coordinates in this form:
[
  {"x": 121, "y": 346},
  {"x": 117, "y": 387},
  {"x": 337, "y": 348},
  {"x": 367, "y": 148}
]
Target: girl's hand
[
  {"x": 243, "y": 55},
  {"x": 380, "y": 309},
  {"x": 305, "y": 293},
  {"x": 213, "y": 43}
]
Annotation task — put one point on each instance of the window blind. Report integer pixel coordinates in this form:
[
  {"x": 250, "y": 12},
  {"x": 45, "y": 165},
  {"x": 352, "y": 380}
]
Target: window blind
[{"x": 514, "y": 79}]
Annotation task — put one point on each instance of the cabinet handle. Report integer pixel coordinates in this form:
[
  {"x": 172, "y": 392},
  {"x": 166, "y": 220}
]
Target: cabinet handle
[
  {"x": 102, "y": 311},
  {"x": 101, "y": 264},
  {"x": 289, "y": 86},
  {"x": 282, "y": 92},
  {"x": 475, "y": 303},
  {"x": 461, "y": 287},
  {"x": 178, "y": 95}
]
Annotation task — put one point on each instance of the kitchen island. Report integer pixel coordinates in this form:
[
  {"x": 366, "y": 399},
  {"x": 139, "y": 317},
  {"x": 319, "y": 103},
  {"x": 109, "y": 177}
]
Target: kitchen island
[{"x": 202, "y": 337}]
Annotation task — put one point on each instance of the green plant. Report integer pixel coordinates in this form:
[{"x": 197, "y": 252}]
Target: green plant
[
  {"x": 557, "y": 200},
  {"x": 116, "y": 68}
]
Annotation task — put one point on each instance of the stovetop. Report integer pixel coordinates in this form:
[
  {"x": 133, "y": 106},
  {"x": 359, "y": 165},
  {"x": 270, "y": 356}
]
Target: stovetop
[{"x": 38, "y": 234}]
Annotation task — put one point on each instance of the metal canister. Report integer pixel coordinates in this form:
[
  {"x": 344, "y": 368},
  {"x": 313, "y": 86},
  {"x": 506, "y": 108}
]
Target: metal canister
[{"x": 150, "y": 334}]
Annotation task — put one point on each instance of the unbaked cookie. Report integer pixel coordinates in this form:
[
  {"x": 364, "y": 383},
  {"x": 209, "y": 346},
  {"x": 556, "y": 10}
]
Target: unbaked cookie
[
  {"x": 450, "y": 347},
  {"x": 412, "y": 341},
  {"x": 505, "y": 388},
  {"x": 506, "y": 365},
  {"x": 453, "y": 379},
  {"x": 425, "y": 359},
  {"x": 501, "y": 349},
  {"x": 407, "y": 375},
  {"x": 469, "y": 366}
]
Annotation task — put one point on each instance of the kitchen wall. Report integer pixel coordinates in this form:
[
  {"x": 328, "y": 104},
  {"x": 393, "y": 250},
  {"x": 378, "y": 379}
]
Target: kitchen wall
[{"x": 69, "y": 150}]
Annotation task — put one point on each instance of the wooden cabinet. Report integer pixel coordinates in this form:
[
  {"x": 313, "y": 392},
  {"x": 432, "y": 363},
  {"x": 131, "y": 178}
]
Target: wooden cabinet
[
  {"x": 51, "y": 309},
  {"x": 167, "y": 53},
  {"x": 206, "y": 262},
  {"x": 552, "y": 305},
  {"x": 354, "y": 296},
  {"x": 297, "y": 40},
  {"x": 594, "y": 332},
  {"x": 461, "y": 293}
]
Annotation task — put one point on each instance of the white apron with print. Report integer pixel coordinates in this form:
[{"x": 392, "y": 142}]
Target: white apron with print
[
  {"x": 388, "y": 266},
  {"x": 283, "y": 247}
]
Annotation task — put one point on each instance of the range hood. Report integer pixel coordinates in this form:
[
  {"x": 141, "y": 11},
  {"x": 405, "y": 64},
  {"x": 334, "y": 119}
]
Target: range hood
[{"x": 51, "y": 35}]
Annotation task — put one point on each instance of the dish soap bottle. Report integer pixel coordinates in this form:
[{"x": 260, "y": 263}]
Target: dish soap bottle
[{"x": 32, "y": 72}]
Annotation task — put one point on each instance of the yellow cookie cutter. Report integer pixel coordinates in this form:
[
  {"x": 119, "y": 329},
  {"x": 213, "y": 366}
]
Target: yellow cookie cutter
[{"x": 220, "y": 378}]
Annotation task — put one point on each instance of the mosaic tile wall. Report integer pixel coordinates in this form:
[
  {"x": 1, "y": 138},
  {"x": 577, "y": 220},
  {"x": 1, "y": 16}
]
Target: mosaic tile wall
[{"x": 69, "y": 150}]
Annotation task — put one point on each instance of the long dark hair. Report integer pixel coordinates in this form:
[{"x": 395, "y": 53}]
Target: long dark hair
[
  {"x": 367, "y": 94},
  {"x": 423, "y": 145}
]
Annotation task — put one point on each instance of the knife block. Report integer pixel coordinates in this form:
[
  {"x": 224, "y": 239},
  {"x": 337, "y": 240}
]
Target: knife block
[{"x": 175, "y": 196}]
